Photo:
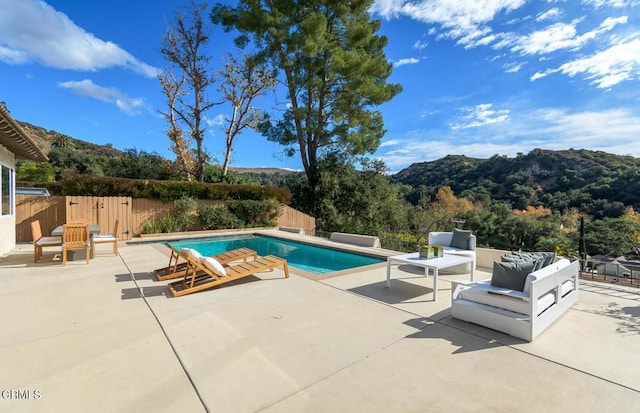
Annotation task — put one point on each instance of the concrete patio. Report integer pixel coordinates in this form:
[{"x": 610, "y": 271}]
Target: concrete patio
[{"x": 106, "y": 337}]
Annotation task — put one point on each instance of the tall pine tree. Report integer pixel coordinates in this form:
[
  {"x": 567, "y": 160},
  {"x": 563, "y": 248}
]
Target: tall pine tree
[{"x": 334, "y": 69}]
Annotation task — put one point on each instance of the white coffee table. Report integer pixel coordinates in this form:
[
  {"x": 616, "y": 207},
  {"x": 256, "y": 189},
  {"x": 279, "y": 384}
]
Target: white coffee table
[{"x": 448, "y": 260}]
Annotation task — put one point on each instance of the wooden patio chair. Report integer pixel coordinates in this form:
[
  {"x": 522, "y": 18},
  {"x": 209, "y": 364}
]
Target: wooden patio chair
[
  {"x": 75, "y": 237},
  {"x": 177, "y": 269},
  {"x": 208, "y": 273},
  {"x": 106, "y": 239},
  {"x": 40, "y": 242}
]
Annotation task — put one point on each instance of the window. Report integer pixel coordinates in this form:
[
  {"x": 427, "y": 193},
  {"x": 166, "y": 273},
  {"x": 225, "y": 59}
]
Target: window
[{"x": 6, "y": 189}]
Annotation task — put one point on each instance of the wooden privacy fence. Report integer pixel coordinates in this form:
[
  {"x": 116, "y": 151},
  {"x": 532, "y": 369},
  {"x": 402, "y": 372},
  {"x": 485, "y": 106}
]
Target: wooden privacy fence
[
  {"x": 50, "y": 211},
  {"x": 57, "y": 210},
  {"x": 290, "y": 217},
  {"x": 131, "y": 214}
]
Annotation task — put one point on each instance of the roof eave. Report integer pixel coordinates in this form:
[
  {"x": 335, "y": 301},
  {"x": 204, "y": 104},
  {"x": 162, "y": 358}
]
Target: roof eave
[{"x": 15, "y": 139}]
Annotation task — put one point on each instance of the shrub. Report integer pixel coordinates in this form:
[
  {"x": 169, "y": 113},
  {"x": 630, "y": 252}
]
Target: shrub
[
  {"x": 169, "y": 223},
  {"x": 217, "y": 217},
  {"x": 152, "y": 226},
  {"x": 255, "y": 213},
  {"x": 185, "y": 212},
  {"x": 83, "y": 185}
]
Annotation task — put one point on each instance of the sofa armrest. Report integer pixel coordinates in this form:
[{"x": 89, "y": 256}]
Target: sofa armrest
[{"x": 472, "y": 243}]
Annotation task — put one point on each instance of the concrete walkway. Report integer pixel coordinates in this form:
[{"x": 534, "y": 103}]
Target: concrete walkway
[{"x": 105, "y": 337}]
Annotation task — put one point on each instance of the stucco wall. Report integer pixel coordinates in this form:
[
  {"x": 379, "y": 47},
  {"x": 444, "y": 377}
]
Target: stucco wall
[{"x": 7, "y": 222}]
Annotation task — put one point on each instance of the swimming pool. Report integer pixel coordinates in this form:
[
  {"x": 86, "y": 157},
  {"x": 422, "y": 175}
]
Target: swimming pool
[{"x": 306, "y": 257}]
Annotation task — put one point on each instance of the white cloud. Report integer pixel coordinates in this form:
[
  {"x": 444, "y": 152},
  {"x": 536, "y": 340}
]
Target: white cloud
[
  {"x": 11, "y": 56},
  {"x": 86, "y": 87},
  {"x": 475, "y": 23},
  {"x": 549, "y": 14},
  {"x": 480, "y": 115},
  {"x": 537, "y": 75},
  {"x": 407, "y": 61},
  {"x": 605, "y": 68},
  {"x": 387, "y": 8},
  {"x": 218, "y": 120},
  {"x": 561, "y": 36},
  {"x": 513, "y": 67},
  {"x": 391, "y": 142},
  {"x": 420, "y": 45},
  {"x": 554, "y": 37},
  {"x": 606, "y": 3},
  {"x": 33, "y": 31},
  {"x": 463, "y": 20}
]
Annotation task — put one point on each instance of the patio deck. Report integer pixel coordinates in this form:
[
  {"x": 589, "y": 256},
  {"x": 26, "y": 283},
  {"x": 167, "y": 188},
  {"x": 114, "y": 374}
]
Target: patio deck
[{"x": 106, "y": 337}]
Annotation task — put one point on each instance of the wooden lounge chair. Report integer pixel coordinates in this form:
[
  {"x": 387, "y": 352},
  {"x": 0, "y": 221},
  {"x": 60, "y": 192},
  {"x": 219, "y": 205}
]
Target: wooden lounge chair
[
  {"x": 40, "y": 242},
  {"x": 208, "y": 273},
  {"x": 177, "y": 269}
]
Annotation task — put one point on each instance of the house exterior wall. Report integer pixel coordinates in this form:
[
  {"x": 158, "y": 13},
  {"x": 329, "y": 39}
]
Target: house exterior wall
[{"x": 8, "y": 222}]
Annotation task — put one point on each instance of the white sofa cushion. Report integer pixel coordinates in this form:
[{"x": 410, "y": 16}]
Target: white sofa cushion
[
  {"x": 440, "y": 238},
  {"x": 444, "y": 239}
]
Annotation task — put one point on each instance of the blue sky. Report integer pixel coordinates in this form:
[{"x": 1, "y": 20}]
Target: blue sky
[{"x": 480, "y": 77}]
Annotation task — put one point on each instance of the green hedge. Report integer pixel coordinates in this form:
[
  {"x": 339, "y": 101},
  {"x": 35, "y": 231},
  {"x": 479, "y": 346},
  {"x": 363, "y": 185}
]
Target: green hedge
[{"x": 83, "y": 185}]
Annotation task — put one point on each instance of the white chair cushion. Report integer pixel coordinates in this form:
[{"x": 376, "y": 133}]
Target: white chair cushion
[
  {"x": 213, "y": 265},
  {"x": 104, "y": 238}
]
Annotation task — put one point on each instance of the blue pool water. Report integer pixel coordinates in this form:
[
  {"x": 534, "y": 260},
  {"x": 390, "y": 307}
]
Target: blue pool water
[{"x": 304, "y": 256}]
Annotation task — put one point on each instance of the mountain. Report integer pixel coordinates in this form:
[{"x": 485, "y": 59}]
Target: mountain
[
  {"x": 43, "y": 138},
  {"x": 598, "y": 183}
]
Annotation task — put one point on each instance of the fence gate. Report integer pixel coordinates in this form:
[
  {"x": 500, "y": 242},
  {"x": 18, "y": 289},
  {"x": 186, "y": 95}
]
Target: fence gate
[{"x": 102, "y": 211}]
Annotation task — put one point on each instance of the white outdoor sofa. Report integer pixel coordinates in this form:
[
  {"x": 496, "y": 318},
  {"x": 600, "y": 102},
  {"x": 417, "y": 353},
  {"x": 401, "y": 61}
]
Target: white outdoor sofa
[
  {"x": 547, "y": 294},
  {"x": 445, "y": 238}
]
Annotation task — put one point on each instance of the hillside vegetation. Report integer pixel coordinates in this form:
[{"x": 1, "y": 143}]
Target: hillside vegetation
[{"x": 597, "y": 183}]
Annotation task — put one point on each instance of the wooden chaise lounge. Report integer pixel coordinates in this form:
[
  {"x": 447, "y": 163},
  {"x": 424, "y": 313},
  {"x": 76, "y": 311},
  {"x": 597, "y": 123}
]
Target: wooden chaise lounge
[
  {"x": 208, "y": 273},
  {"x": 177, "y": 269}
]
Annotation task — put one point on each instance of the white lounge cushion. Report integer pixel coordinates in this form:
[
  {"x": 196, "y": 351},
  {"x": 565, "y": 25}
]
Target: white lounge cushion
[
  {"x": 213, "y": 265},
  {"x": 193, "y": 254}
]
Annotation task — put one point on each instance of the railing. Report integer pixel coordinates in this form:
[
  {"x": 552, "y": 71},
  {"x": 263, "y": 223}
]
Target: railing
[{"x": 611, "y": 271}]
